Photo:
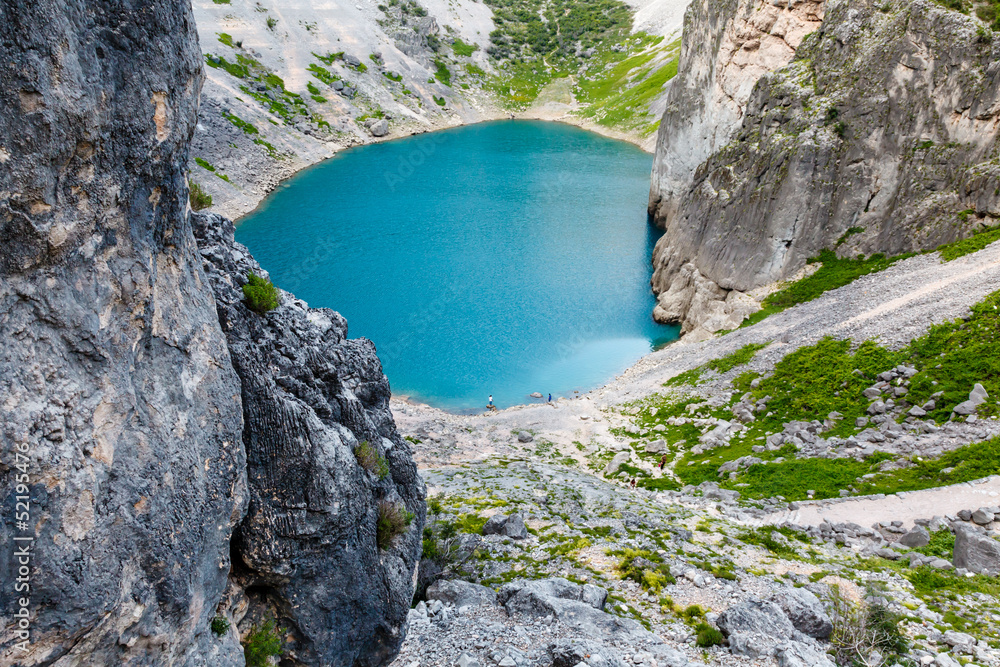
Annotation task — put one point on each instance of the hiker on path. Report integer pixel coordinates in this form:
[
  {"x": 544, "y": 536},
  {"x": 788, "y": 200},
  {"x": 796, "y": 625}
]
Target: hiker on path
[{"x": 663, "y": 461}]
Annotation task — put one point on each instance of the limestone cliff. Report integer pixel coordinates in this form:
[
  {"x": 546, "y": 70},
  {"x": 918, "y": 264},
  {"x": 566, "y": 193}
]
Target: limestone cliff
[
  {"x": 306, "y": 551},
  {"x": 129, "y": 420},
  {"x": 877, "y": 137}
]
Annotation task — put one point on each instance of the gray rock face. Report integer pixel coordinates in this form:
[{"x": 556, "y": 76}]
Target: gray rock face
[
  {"x": 976, "y": 552},
  {"x": 755, "y": 628},
  {"x": 461, "y": 593},
  {"x": 805, "y": 611},
  {"x": 116, "y": 382},
  {"x": 616, "y": 463},
  {"x": 815, "y": 152},
  {"x": 307, "y": 547}
]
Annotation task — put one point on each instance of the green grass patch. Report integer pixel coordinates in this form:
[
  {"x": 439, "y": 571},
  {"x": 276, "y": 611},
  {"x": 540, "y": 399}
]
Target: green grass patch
[
  {"x": 204, "y": 164},
  {"x": 460, "y": 48},
  {"x": 977, "y": 241},
  {"x": 442, "y": 73},
  {"x": 942, "y": 544},
  {"x": 322, "y": 73},
  {"x": 440, "y": 101},
  {"x": 393, "y": 76},
  {"x": 791, "y": 479},
  {"x": 738, "y": 358}
]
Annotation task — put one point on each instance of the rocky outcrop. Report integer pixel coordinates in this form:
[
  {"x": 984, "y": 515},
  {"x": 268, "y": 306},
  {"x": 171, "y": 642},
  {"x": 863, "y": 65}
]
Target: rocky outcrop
[
  {"x": 727, "y": 46},
  {"x": 306, "y": 551},
  {"x": 118, "y": 395},
  {"x": 131, "y": 420},
  {"x": 876, "y": 137}
]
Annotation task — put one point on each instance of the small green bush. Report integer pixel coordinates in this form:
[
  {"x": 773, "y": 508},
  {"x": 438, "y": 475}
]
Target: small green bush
[
  {"x": 708, "y": 636},
  {"x": 220, "y": 625},
  {"x": 261, "y": 295},
  {"x": 371, "y": 460},
  {"x": 198, "y": 197},
  {"x": 738, "y": 358},
  {"x": 393, "y": 518},
  {"x": 262, "y": 643},
  {"x": 462, "y": 49},
  {"x": 271, "y": 22},
  {"x": 442, "y": 74}
]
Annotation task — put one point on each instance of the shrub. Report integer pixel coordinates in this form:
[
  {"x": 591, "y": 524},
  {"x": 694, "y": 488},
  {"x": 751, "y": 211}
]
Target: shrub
[
  {"x": 393, "y": 518},
  {"x": 198, "y": 197},
  {"x": 738, "y": 358},
  {"x": 371, "y": 460},
  {"x": 708, "y": 636},
  {"x": 220, "y": 625},
  {"x": 271, "y": 22},
  {"x": 462, "y": 49},
  {"x": 862, "y": 630},
  {"x": 261, "y": 295},
  {"x": 262, "y": 643}
]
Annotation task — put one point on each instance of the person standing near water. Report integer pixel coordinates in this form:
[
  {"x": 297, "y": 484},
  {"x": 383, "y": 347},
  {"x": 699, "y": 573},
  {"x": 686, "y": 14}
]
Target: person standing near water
[
  {"x": 550, "y": 398},
  {"x": 491, "y": 400}
]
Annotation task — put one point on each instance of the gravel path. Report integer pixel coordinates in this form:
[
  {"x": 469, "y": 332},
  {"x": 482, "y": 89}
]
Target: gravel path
[{"x": 905, "y": 507}]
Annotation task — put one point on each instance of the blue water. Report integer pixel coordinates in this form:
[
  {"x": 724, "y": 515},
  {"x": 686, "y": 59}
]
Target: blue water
[{"x": 502, "y": 258}]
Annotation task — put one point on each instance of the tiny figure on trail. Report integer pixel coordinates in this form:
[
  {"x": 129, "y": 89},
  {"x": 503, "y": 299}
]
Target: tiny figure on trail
[
  {"x": 491, "y": 401},
  {"x": 550, "y": 398},
  {"x": 663, "y": 461},
  {"x": 633, "y": 483}
]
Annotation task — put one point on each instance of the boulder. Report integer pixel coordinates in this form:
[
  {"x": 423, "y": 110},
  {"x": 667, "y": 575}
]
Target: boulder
[
  {"x": 524, "y": 436},
  {"x": 616, "y": 463},
  {"x": 755, "y": 628},
  {"x": 533, "y": 597},
  {"x": 918, "y": 537},
  {"x": 495, "y": 524},
  {"x": 514, "y": 528},
  {"x": 379, "y": 128},
  {"x": 805, "y": 611},
  {"x": 461, "y": 593},
  {"x": 798, "y": 654},
  {"x": 656, "y": 447},
  {"x": 975, "y": 551},
  {"x": 982, "y": 516},
  {"x": 977, "y": 397}
]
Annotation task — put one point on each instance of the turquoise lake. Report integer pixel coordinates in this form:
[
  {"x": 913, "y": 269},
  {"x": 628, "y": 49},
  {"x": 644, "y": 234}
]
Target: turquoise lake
[{"x": 501, "y": 258}]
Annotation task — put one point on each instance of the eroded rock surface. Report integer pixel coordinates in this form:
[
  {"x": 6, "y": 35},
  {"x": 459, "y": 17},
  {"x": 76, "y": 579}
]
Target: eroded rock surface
[
  {"x": 115, "y": 379},
  {"x": 137, "y": 416},
  {"x": 307, "y": 549}
]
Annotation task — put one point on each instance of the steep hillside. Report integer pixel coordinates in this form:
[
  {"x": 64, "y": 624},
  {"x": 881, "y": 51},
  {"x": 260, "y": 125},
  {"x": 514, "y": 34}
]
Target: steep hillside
[
  {"x": 878, "y": 137},
  {"x": 290, "y": 85}
]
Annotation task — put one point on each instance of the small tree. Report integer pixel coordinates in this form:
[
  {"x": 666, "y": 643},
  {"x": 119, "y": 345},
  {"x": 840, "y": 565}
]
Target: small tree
[
  {"x": 369, "y": 458},
  {"x": 199, "y": 198},
  {"x": 262, "y": 643},
  {"x": 220, "y": 625},
  {"x": 261, "y": 295},
  {"x": 867, "y": 635},
  {"x": 393, "y": 518}
]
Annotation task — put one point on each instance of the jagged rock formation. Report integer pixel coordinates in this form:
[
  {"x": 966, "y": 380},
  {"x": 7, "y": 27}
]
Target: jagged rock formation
[
  {"x": 115, "y": 379},
  {"x": 306, "y": 550},
  {"x": 134, "y": 418},
  {"x": 877, "y": 137}
]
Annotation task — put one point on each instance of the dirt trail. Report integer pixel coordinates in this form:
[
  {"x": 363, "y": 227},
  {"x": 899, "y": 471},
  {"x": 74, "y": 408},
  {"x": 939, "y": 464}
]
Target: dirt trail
[{"x": 903, "y": 507}]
